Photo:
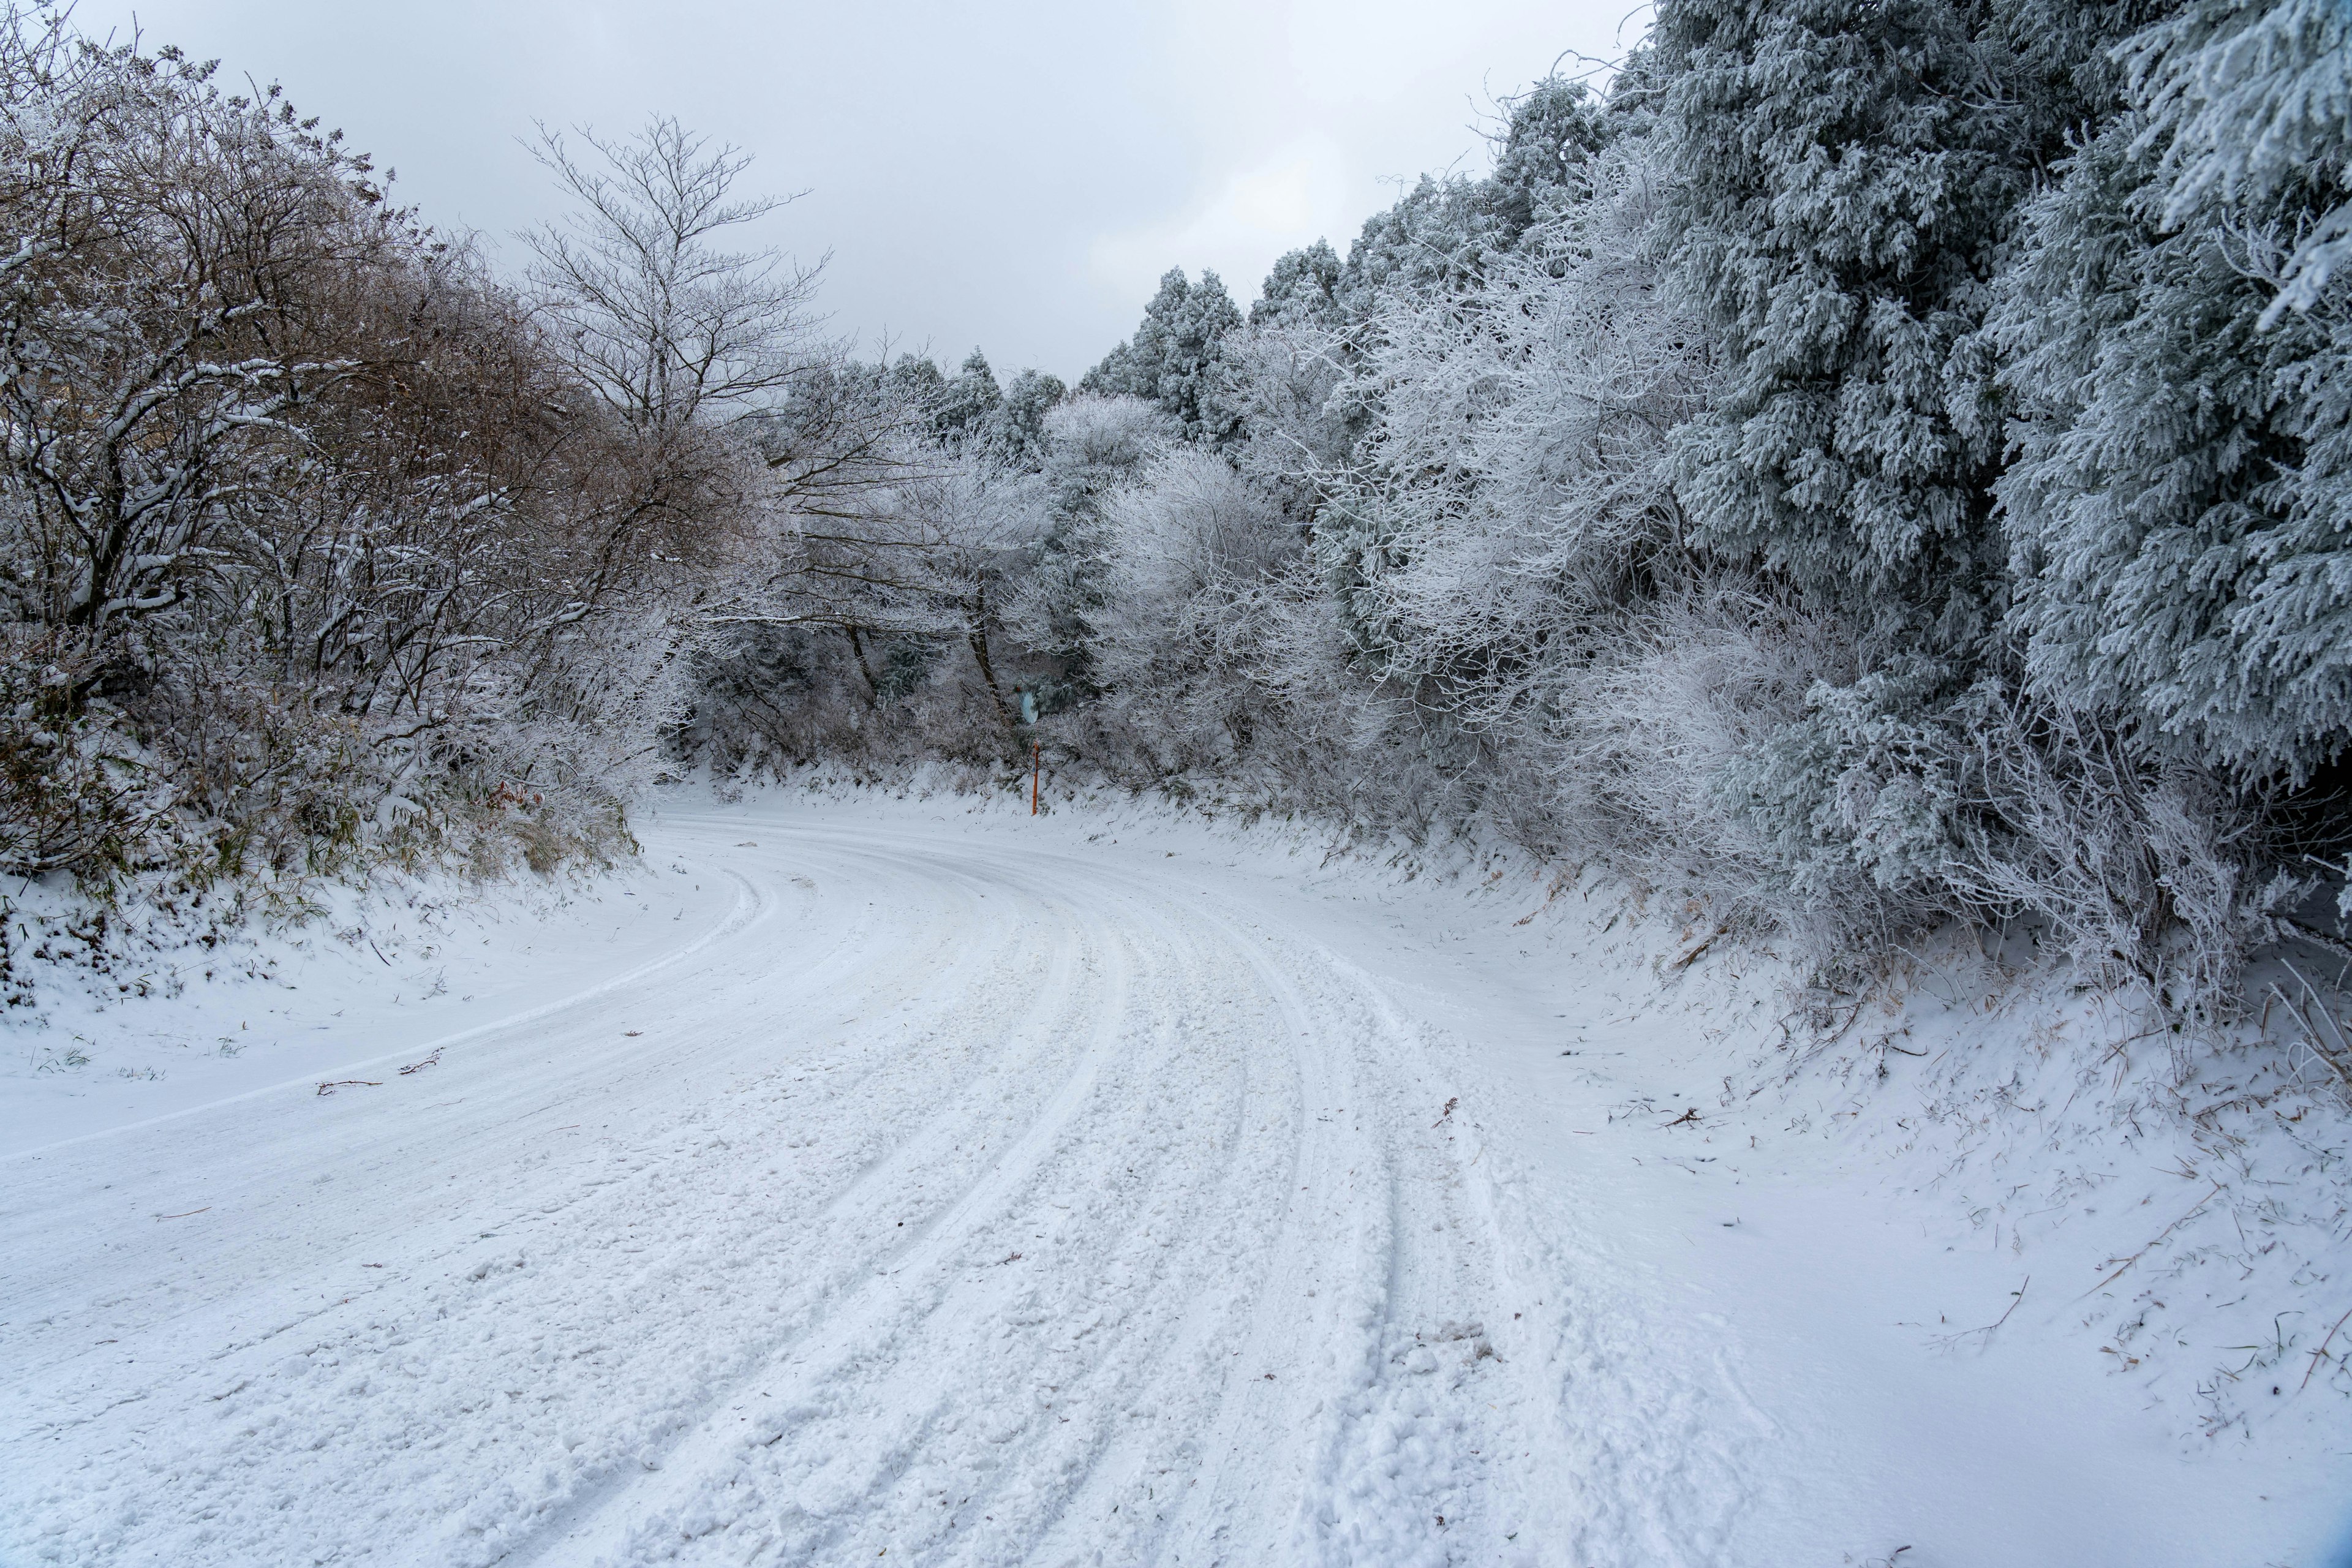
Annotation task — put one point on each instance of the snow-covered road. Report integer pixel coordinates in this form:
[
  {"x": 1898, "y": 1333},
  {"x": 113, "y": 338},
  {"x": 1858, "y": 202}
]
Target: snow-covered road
[{"x": 935, "y": 1197}]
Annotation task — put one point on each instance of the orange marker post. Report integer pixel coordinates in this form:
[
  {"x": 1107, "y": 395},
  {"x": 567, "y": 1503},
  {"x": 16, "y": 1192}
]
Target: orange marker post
[{"x": 1037, "y": 764}]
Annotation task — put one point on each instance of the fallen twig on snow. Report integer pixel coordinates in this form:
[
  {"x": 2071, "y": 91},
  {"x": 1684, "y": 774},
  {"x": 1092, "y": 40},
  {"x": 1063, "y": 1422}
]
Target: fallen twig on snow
[
  {"x": 2159, "y": 1235},
  {"x": 2321, "y": 1353},
  {"x": 1947, "y": 1342},
  {"x": 351, "y": 1083},
  {"x": 1690, "y": 955}
]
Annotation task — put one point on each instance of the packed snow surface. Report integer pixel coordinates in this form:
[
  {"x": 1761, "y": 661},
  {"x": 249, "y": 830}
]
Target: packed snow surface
[{"x": 874, "y": 1179}]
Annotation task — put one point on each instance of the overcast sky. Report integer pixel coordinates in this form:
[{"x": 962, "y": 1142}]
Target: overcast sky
[{"x": 1012, "y": 176}]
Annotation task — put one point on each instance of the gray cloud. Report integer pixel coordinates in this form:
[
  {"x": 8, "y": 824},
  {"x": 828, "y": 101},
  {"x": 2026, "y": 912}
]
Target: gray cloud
[{"x": 1014, "y": 176}]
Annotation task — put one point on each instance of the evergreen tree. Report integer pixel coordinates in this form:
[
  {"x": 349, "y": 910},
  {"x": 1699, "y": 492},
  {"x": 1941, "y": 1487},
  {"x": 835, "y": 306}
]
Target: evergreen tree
[
  {"x": 916, "y": 380},
  {"x": 966, "y": 408},
  {"x": 1446, "y": 234},
  {"x": 1303, "y": 289},
  {"x": 2254, "y": 100},
  {"x": 1544, "y": 167},
  {"x": 1439, "y": 239},
  {"x": 1173, "y": 360},
  {"x": 2179, "y": 346},
  {"x": 1018, "y": 436},
  {"x": 1847, "y": 173}
]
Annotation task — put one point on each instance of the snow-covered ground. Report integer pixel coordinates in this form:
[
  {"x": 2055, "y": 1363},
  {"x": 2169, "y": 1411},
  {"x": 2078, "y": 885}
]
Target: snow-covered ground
[{"x": 879, "y": 1179}]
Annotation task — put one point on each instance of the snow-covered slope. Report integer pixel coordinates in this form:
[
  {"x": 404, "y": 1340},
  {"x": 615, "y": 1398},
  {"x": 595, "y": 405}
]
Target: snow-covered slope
[{"x": 893, "y": 1179}]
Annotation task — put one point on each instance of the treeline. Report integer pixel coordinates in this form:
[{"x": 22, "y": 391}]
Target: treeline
[
  {"x": 1860, "y": 466},
  {"x": 1865, "y": 466}
]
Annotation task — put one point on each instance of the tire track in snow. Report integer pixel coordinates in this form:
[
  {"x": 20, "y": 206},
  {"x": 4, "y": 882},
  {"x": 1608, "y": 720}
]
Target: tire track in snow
[
  {"x": 518, "y": 1096},
  {"x": 701, "y": 1333},
  {"x": 819, "y": 1351},
  {"x": 1241, "y": 1503},
  {"x": 749, "y": 910},
  {"x": 690, "y": 1523}
]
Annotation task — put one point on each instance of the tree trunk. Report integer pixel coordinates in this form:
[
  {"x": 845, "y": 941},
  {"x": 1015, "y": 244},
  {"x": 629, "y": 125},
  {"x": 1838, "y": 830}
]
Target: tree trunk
[
  {"x": 976, "y": 634},
  {"x": 872, "y": 687}
]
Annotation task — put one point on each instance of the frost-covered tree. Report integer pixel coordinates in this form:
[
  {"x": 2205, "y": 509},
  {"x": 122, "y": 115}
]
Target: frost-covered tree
[
  {"x": 308, "y": 523},
  {"x": 1445, "y": 234},
  {"x": 1438, "y": 238},
  {"x": 1543, "y": 160},
  {"x": 1847, "y": 173},
  {"x": 915, "y": 381},
  {"x": 965, "y": 411},
  {"x": 2177, "y": 339},
  {"x": 1193, "y": 590},
  {"x": 1304, "y": 288},
  {"x": 2254, "y": 105},
  {"x": 1018, "y": 436},
  {"x": 1094, "y": 447},
  {"x": 668, "y": 325},
  {"x": 1513, "y": 486},
  {"x": 1172, "y": 361},
  {"x": 157, "y": 369}
]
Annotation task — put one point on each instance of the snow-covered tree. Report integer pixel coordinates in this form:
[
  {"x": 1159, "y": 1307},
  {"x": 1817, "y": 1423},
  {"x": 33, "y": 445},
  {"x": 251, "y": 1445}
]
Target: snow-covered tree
[
  {"x": 1512, "y": 484},
  {"x": 1194, "y": 560},
  {"x": 1172, "y": 361},
  {"x": 965, "y": 413},
  {"x": 1094, "y": 447},
  {"x": 1303, "y": 289},
  {"x": 1020, "y": 438},
  {"x": 2177, "y": 339},
  {"x": 1847, "y": 173},
  {"x": 1544, "y": 160},
  {"x": 301, "y": 508},
  {"x": 665, "y": 322}
]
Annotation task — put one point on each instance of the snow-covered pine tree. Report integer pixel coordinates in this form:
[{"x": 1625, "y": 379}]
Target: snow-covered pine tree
[
  {"x": 1171, "y": 362},
  {"x": 915, "y": 380},
  {"x": 965, "y": 412},
  {"x": 1017, "y": 435},
  {"x": 2179, "y": 343},
  {"x": 1302, "y": 290},
  {"x": 1437, "y": 238},
  {"x": 1444, "y": 235},
  {"x": 1544, "y": 157},
  {"x": 1847, "y": 173}
]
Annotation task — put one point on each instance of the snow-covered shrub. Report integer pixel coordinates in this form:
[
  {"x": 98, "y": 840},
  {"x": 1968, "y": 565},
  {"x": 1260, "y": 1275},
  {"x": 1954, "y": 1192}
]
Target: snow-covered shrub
[
  {"x": 75, "y": 793},
  {"x": 1194, "y": 558},
  {"x": 1860, "y": 791},
  {"x": 1646, "y": 742},
  {"x": 1904, "y": 797},
  {"x": 2154, "y": 873}
]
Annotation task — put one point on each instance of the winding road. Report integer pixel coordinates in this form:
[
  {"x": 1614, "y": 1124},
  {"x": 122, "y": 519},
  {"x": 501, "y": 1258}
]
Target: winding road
[
  {"x": 936, "y": 1201},
  {"x": 895, "y": 1184}
]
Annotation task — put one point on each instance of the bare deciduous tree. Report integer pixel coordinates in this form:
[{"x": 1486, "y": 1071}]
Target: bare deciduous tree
[{"x": 669, "y": 327}]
